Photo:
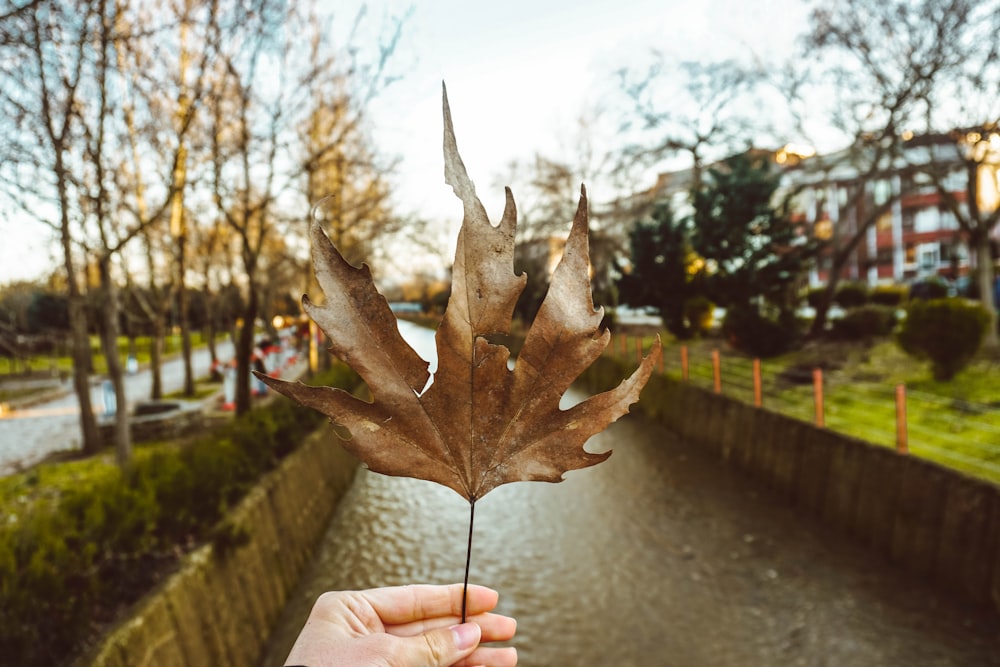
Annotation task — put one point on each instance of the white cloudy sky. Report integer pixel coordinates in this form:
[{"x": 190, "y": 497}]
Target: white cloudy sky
[{"x": 519, "y": 73}]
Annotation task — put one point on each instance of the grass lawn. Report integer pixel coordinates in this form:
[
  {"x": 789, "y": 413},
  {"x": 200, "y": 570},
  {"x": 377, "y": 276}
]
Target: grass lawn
[
  {"x": 955, "y": 423},
  {"x": 64, "y": 364}
]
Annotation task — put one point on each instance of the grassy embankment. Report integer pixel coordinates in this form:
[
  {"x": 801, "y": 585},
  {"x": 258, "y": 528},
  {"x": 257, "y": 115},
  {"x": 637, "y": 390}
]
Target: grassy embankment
[
  {"x": 83, "y": 539},
  {"x": 955, "y": 423}
]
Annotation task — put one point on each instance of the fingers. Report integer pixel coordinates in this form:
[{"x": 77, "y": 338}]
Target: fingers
[
  {"x": 441, "y": 647},
  {"x": 495, "y": 628},
  {"x": 399, "y": 605},
  {"x": 454, "y": 646},
  {"x": 490, "y": 657}
]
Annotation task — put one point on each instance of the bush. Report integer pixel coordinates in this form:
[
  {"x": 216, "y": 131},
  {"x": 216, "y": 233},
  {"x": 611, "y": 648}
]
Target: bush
[
  {"x": 888, "y": 295},
  {"x": 699, "y": 313},
  {"x": 865, "y": 322},
  {"x": 946, "y": 331},
  {"x": 931, "y": 288},
  {"x": 749, "y": 331},
  {"x": 814, "y": 296},
  {"x": 68, "y": 566},
  {"x": 851, "y": 295}
]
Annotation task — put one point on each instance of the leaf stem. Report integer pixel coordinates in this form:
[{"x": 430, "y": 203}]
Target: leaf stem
[{"x": 468, "y": 557}]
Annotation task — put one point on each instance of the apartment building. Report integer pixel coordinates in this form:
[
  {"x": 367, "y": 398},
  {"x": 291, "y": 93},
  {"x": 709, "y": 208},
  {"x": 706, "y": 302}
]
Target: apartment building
[
  {"x": 904, "y": 209},
  {"x": 906, "y": 226}
]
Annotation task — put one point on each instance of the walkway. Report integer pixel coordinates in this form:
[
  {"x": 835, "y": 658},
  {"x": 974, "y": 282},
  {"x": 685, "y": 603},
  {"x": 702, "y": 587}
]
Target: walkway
[{"x": 28, "y": 436}]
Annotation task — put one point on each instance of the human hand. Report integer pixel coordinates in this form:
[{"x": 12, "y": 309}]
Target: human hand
[{"x": 404, "y": 626}]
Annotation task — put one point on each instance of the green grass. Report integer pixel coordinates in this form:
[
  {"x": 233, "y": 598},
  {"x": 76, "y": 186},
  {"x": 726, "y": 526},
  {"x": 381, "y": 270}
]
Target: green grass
[
  {"x": 64, "y": 364},
  {"x": 955, "y": 423},
  {"x": 47, "y": 483}
]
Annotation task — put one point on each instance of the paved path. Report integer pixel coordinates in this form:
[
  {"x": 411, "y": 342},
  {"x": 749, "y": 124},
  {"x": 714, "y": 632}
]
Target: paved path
[
  {"x": 659, "y": 556},
  {"x": 29, "y": 435}
]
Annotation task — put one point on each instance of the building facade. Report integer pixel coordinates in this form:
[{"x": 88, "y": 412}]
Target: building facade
[{"x": 895, "y": 219}]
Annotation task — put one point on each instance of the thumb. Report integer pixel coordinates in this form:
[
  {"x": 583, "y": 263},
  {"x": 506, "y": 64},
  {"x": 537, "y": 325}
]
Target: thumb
[{"x": 444, "y": 646}]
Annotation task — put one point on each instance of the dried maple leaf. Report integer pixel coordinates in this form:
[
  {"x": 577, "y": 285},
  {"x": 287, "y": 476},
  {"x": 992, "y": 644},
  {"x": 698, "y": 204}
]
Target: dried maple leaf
[{"x": 479, "y": 424}]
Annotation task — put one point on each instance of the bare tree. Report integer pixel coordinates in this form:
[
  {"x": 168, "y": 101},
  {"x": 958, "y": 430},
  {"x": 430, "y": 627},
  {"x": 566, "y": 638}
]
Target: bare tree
[
  {"x": 304, "y": 135},
  {"x": 696, "y": 110},
  {"x": 886, "y": 63},
  {"x": 45, "y": 49}
]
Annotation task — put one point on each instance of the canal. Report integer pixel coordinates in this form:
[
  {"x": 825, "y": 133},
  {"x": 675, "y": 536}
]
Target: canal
[{"x": 659, "y": 556}]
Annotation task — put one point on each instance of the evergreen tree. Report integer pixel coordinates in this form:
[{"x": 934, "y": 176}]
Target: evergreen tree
[
  {"x": 664, "y": 269},
  {"x": 754, "y": 255}
]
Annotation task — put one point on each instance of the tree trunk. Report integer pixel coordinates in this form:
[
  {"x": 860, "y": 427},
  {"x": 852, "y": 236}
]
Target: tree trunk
[
  {"x": 156, "y": 357},
  {"x": 79, "y": 339},
  {"x": 80, "y": 351},
  {"x": 109, "y": 336},
  {"x": 185, "y": 324},
  {"x": 984, "y": 279},
  {"x": 244, "y": 351},
  {"x": 210, "y": 332}
]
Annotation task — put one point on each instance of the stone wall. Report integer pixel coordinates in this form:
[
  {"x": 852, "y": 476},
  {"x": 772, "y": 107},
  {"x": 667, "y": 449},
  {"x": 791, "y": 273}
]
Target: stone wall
[
  {"x": 183, "y": 420},
  {"x": 935, "y": 522},
  {"x": 219, "y": 609}
]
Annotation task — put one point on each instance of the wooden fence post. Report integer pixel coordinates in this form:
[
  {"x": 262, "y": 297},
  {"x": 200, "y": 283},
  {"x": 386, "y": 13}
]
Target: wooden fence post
[
  {"x": 758, "y": 398},
  {"x": 818, "y": 395},
  {"x": 717, "y": 371},
  {"x": 902, "y": 444},
  {"x": 684, "y": 363}
]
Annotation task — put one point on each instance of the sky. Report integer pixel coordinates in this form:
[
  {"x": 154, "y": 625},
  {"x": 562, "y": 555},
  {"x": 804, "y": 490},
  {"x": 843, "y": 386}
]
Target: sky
[{"x": 519, "y": 73}]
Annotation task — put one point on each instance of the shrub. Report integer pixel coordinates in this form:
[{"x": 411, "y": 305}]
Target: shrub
[
  {"x": 699, "y": 313},
  {"x": 865, "y": 322},
  {"x": 931, "y": 288},
  {"x": 851, "y": 295},
  {"x": 888, "y": 295},
  {"x": 948, "y": 332},
  {"x": 749, "y": 331},
  {"x": 69, "y": 565},
  {"x": 814, "y": 296}
]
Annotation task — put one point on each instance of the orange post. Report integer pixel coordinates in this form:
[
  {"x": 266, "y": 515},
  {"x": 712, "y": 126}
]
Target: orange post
[
  {"x": 902, "y": 444},
  {"x": 818, "y": 395},
  {"x": 717, "y": 371},
  {"x": 758, "y": 397},
  {"x": 660, "y": 365},
  {"x": 684, "y": 363}
]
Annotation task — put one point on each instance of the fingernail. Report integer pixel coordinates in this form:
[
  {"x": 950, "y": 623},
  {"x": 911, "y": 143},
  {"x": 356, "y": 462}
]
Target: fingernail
[{"x": 466, "y": 635}]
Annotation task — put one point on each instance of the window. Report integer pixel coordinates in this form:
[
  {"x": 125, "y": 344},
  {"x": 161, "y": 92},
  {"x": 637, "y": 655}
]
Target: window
[
  {"x": 907, "y": 221},
  {"x": 927, "y": 220},
  {"x": 929, "y": 256},
  {"x": 884, "y": 222},
  {"x": 824, "y": 230},
  {"x": 948, "y": 219},
  {"x": 881, "y": 191}
]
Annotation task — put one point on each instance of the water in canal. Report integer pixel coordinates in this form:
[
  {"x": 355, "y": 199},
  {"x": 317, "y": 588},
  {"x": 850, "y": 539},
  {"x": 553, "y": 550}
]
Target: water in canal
[{"x": 659, "y": 556}]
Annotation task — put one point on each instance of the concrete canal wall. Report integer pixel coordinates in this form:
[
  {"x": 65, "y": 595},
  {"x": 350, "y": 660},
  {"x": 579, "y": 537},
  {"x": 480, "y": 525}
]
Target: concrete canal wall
[
  {"x": 935, "y": 522},
  {"x": 219, "y": 609}
]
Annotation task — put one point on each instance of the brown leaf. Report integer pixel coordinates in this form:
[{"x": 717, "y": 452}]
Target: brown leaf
[{"x": 479, "y": 424}]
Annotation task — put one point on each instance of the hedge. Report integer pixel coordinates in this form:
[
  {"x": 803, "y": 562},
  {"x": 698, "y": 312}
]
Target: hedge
[{"x": 69, "y": 565}]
